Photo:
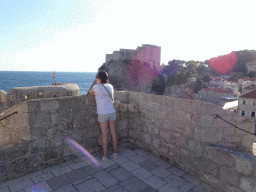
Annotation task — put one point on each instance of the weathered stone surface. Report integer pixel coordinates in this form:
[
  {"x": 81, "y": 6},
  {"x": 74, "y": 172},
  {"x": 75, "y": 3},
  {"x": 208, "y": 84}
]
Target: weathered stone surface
[
  {"x": 178, "y": 139},
  {"x": 13, "y": 152},
  {"x": 220, "y": 156},
  {"x": 123, "y": 107},
  {"x": 3, "y": 169},
  {"x": 233, "y": 189},
  {"x": 49, "y": 104},
  {"x": 244, "y": 165},
  {"x": 196, "y": 147},
  {"x": 228, "y": 175},
  {"x": 156, "y": 142},
  {"x": 247, "y": 184},
  {"x": 133, "y": 107},
  {"x": 153, "y": 130},
  {"x": 18, "y": 168},
  {"x": 247, "y": 142}
]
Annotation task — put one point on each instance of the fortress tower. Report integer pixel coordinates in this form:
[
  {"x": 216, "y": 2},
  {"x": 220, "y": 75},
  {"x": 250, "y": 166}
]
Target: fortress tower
[{"x": 147, "y": 53}]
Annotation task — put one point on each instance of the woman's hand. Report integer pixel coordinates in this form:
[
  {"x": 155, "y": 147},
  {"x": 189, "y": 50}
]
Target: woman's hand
[{"x": 91, "y": 92}]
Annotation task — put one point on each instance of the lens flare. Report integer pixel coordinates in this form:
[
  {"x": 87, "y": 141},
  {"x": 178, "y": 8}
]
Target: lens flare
[
  {"x": 223, "y": 64},
  {"x": 83, "y": 151},
  {"x": 38, "y": 188}
]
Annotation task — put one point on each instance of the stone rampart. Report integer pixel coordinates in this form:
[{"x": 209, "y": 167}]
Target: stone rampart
[
  {"x": 183, "y": 132},
  {"x": 35, "y": 137},
  {"x": 186, "y": 133}
]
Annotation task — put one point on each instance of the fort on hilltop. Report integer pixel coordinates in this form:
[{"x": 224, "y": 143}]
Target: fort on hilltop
[{"x": 147, "y": 53}]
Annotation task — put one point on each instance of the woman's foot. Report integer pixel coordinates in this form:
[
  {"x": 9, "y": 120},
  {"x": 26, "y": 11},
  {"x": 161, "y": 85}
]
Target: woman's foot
[{"x": 104, "y": 158}]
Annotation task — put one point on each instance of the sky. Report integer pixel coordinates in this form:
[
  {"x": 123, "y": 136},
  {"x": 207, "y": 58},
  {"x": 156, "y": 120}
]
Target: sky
[{"x": 76, "y": 35}]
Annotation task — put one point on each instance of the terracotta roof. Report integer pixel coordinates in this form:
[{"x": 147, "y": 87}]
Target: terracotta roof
[
  {"x": 219, "y": 90},
  {"x": 251, "y": 94},
  {"x": 251, "y": 87}
]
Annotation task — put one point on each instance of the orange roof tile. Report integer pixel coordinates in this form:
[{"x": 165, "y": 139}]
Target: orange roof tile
[{"x": 251, "y": 94}]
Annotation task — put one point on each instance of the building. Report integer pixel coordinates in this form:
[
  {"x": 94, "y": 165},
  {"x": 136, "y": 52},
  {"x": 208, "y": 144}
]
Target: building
[
  {"x": 147, "y": 53},
  {"x": 216, "y": 96},
  {"x": 231, "y": 106},
  {"x": 247, "y": 104},
  {"x": 250, "y": 66},
  {"x": 19, "y": 94}
]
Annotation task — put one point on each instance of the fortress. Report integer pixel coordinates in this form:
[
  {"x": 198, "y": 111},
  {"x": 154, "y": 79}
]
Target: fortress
[
  {"x": 147, "y": 53},
  {"x": 19, "y": 94},
  {"x": 183, "y": 132}
]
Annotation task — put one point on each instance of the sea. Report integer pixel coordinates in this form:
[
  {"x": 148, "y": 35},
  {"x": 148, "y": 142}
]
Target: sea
[{"x": 10, "y": 79}]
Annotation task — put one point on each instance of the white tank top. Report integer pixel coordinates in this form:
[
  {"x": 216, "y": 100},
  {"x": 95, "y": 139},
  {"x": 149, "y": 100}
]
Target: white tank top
[{"x": 103, "y": 101}]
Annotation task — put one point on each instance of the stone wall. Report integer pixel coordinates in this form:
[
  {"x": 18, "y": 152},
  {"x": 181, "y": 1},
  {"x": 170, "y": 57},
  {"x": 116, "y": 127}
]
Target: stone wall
[
  {"x": 35, "y": 138},
  {"x": 186, "y": 133}
]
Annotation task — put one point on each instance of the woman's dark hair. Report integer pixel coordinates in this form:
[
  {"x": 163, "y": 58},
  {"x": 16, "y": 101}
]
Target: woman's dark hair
[{"x": 103, "y": 76}]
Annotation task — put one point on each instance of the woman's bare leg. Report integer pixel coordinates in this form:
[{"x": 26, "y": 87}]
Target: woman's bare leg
[
  {"x": 113, "y": 134},
  {"x": 104, "y": 137}
]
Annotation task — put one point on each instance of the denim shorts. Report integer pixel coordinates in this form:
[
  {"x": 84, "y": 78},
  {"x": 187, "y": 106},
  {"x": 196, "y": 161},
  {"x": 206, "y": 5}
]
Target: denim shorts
[{"x": 105, "y": 117}]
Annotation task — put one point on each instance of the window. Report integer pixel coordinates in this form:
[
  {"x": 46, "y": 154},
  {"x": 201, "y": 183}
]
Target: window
[
  {"x": 244, "y": 102},
  {"x": 253, "y": 114},
  {"x": 243, "y": 113},
  {"x": 29, "y": 96}
]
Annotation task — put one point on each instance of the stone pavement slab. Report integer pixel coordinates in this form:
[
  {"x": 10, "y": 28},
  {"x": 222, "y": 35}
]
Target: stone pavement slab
[
  {"x": 155, "y": 182},
  {"x": 120, "y": 159},
  {"x": 163, "y": 164},
  {"x": 121, "y": 174},
  {"x": 191, "y": 179},
  {"x": 142, "y": 173},
  {"x": 149, "y": 189},
  {"x": 61, "y": 171},
  {"x": 58, "y": 182},
  {"x": 42, "y": 178},
  {"x": 21, "y": 185},
  {"x": 130, "y": 166},
  {"x": 78, "y": 165},
  {"x": 39, "y": 187},
  {"x": 116, "y": 188},
  {"x": 94, "y": 185},
  {"x": 151, "y": 157},
  {"x": 160, "y": 172},
  {"x": 137, "y": 158},
  {"x": 133, "y": 184},
  {"x": 127, "y": 153},
  {"x": 50, "y": 169},
  {"x": 67, "y": 163},
  {"x": 187, "y": 187},
  {"x": 169, "y": 188},
  {"x": 29, "y": 176},
  {"x": 148, "y": 165},
  {"x": 6, "y": 189},
  {"x": 176, "y": 171},
  {"x": 141, "y": 152},
  {"x": 175, "y": 180},
  {"x": 106, "y": 179},
  {"x": 78, "y": 174},
  {"x": 68, "y": 188}
]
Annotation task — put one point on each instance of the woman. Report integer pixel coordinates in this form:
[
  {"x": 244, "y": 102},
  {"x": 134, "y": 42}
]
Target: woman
[{"x": 105, "y": 110}]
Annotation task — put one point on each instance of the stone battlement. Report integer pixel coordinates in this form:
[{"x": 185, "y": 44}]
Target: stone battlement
[{"x": 183, "y": 132}]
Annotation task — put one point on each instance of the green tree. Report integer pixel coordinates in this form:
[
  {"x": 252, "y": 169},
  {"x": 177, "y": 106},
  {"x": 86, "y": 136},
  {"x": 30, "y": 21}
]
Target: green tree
[
  {"x": 207, "y": 78},
  {"x": 251, "y": 74},
  {"x": 198, "y": 85},
  {"x": 191, "y": 68}
]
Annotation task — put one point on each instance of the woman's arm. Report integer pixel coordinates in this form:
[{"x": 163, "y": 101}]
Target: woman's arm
[{"x": 91, "y": 92}]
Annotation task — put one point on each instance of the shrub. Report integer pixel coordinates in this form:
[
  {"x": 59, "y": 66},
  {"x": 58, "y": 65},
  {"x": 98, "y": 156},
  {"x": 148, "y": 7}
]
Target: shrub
[{"x": 158, "y": 86}]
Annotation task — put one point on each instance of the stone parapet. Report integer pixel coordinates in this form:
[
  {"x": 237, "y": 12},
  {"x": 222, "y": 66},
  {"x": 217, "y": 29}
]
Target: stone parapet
[{"x": 184, "y": 132}]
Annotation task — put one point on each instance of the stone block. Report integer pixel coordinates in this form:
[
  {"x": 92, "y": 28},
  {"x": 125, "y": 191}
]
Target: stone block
[
  {"x": 220, "y": 156},
  {"x": 209, "y": 135},
  {"x": 233, "y": 189},
  {"x": 133, "y": 107},
  {"x": 122, "y": 96},
  {"x": 13, "y": 152},
  {"x": 247, "y": 184},
  {"x": 123, "y": 107},
  {"x": 228, "y": 174},
  {"x": 3, "y": 169},
  {"x": 156, "y": 142},
  {"x": 232, "y": 138},
  {"x": 122, "y": 124},
  {"x": 243, "y": 165},
  {"x": 168, "y": 102},
  {"x": 158, "y": 99},
  {"x": 153, "y": 130},
  {"x": 229, "y": 131},
  {"x": 91, "y": 100},
  {"x": 49, "y": 104},
  {"x": 247, "y": 142},
  {"x": 196, "y": 147},
  {"x": 18, "y": 168},
  {"x": 178, "y": 139},
  {"x": 165, "y": 148},
  {"x": 213, "y": 181},
  {"x": 165, "y": 134}
]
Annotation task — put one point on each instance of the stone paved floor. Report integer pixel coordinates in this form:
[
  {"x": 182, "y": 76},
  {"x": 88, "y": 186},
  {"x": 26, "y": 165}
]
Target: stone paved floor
[{"x": 133, "y": 170}]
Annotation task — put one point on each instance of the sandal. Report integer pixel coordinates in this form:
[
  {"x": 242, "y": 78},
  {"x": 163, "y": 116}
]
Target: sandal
[
  {"x": 115, "y": 155},
  {"x": 104, "y": 158}
]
